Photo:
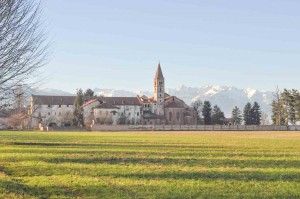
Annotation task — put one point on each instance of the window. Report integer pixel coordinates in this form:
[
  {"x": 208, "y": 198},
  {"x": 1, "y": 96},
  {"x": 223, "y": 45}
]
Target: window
[
  {"x": 67, "y": 105},
  {"x": 59, "y": 106},
  {"x": 160, "y": 89},
  {"x": 178, "y": 116},
  {"x": 48, "y": 113},
  {"x": 138, "y": 114},
  {"x": 128, "y": 114},
  {"x": 170, "y": 116},
  {"x": 49, "y": 106}
]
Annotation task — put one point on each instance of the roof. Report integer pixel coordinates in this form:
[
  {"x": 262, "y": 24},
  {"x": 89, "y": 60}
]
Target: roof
[
  {"x": 69, "y": 100},
  {"x": 106, "y": 106},
  {"x": 174, "y": 105},
  {"x": 159, "y": 74},
  {"x": 89, "y": 102},
  {"x": 53, "y": 100},
  {"x": 134, "y": 101}
]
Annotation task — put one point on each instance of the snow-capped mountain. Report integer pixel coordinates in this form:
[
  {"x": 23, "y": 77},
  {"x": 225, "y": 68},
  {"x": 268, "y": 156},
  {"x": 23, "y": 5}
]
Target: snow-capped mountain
[
  {"x": 226, "y": 97},
  {"x": 51, "y": 91}
]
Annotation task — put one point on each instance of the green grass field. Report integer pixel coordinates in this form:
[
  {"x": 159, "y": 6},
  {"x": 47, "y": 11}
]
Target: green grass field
[{"x": 150, "y": 165}]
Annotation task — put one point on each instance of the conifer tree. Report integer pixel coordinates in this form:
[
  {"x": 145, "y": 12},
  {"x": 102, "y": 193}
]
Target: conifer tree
[
  {"x": 217, "y": 115},
  {"x": 247, "y": 114},
  {"x": 255, "y": 114},
  {"x": 89, "y": 93},
  {"x": 206, "y": 112},
  {"x": 236, "y": 116},
  {"x": 78, "y": 112}
]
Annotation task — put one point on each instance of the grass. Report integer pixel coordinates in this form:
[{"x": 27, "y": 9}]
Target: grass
[{"x": 150, "y": 165}]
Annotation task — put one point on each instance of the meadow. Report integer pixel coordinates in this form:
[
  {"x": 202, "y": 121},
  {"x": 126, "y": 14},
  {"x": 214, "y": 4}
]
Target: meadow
[{"x": 149, "y": 165}]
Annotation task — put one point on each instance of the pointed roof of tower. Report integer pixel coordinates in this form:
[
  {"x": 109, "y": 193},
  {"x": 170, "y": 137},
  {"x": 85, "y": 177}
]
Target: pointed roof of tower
[{"x": 159, "y": 74}]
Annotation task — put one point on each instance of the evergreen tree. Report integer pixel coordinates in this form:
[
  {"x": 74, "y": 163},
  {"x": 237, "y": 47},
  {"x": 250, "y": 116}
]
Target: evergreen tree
[
  {"x": 247, "y": 114},
  {"x": 78, "y": 112},
  {"x": 217, "y": 115},
  {"x": 89, "y": 93},
  {"x": 236, "y": 116},
  {"x": 255, "y": 114},
  {"x": 206, "y": 112},
  {"x": 197, "y": 106}
]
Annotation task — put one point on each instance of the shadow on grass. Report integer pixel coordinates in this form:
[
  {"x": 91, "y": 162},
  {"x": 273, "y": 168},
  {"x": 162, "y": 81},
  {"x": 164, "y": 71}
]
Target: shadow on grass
[
  {"x": 124, "y": 144},
  {"x": 209, "y": 163},
  {"x": 23, "y": 190},
  {"x": 217, "y": 175}
]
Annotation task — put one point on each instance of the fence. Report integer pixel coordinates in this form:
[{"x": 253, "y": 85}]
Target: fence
[{"x": 193, "y": 128}]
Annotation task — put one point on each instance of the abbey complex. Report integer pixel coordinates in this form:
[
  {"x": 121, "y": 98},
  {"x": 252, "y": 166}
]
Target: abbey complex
[{"x": 140, "y": 110}]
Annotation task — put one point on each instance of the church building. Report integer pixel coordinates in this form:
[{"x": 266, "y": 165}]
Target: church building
[{"x": 163, "y": 108}]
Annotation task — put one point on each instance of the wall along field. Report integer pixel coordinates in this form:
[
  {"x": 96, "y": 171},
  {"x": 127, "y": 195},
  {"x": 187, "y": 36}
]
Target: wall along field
[{"x": 150, "y": 165}]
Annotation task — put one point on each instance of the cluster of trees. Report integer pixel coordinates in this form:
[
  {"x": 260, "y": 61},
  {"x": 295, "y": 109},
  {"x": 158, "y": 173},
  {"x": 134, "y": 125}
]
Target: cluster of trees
[
  {"x": 252, "y": 114},
  {"x": 286, "y": 107},
  {"x": 209, "y": 115}
]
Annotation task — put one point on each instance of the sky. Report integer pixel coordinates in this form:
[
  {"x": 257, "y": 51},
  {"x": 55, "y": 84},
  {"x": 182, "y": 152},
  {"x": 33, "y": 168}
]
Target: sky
[{"x": 118, "y": 44}]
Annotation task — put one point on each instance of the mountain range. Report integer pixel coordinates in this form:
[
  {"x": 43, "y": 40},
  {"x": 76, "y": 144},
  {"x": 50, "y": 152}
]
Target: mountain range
[{"x": 226, "y": 97}]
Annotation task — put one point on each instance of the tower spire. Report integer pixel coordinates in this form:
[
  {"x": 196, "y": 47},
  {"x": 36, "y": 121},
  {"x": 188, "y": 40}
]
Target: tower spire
[{"x": 159, "y": 74}]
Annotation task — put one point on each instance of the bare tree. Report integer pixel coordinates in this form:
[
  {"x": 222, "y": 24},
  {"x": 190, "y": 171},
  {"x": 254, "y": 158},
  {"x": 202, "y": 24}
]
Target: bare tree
[
  {"x": 18, "y": 120},
  {"x": 265, "y": 119},
  {"x": 197, "y": 106},
  {"x": 23, "y": 46}
]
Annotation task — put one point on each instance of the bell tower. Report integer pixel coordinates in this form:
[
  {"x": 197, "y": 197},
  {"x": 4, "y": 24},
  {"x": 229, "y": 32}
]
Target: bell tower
[{"x": 159, "y": 86}]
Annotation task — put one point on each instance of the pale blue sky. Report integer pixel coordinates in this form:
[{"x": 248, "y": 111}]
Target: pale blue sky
[{"x": 118, "y": 44}]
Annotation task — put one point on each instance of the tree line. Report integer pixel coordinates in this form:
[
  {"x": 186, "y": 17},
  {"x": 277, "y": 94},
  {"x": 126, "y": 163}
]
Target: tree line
[
  {"x": 286, "y": 107},
  {"x": 209, "y": 115}
]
